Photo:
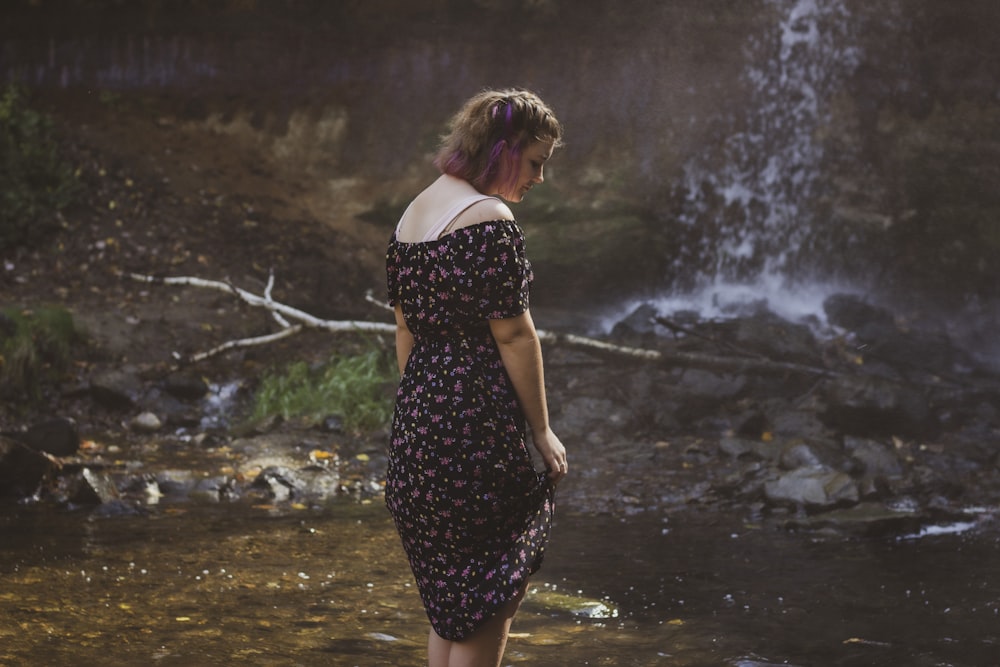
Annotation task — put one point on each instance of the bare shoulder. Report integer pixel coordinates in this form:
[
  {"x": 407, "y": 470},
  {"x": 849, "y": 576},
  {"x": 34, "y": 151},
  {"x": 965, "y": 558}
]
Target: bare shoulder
[{"x": 486, "y": 210}]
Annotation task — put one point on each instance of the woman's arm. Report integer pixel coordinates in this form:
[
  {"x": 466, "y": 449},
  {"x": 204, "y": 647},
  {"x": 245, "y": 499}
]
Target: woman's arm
[
  {"x": 404, "y": 340},
  {"x": 522, "y": 357}
]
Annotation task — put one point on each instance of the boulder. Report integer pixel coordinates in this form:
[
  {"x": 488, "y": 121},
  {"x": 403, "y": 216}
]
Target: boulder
[
  {"x": 871, "y": 406},
  {"x": 851, "y": 312},
  {"x": 22, "y": 468},
  {"x": 875, "y": 459},
  {"x": 639, "y": 322},
  {"x": 96, "y": 487},
  {"x": 768, "y": 334},
  {"x": 117, "y": 389},
  {"x": 814, "y": 488},
  {"x": 58, "y": 437},
  {"x": 185, "y": 386},
  {"x": 810, "y": 453}
]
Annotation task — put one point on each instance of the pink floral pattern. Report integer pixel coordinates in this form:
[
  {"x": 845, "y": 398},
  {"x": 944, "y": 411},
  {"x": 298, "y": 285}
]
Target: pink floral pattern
[{"x": 473, "y": 513}]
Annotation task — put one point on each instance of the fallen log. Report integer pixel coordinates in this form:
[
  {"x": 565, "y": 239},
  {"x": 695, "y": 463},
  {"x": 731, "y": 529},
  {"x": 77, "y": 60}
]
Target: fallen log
[{"x": 284, "y": 315}]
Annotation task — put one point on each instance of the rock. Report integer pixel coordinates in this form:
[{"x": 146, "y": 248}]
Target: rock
[
  {"x": 185, "y": 386},
  {"x": 639, "y": 322},
  {"x": 282, "y": 481},
  {"x": 333, "y": 424},
  {"x": 874, "y": 458},
  {"x": 174, "y": 484},
  {"x": 593, "y": 417},
  {"x": 747, "y": 447},
  {"x": 796, "y": 423},
  {"x": 851, "y": 312},
  {"x": 146, "y": 422},
  {"x": 117, "y": 389},
  {"x": 88, "y": 487},
  {"x": 700, "y": 394},
  {"x": 100, "y": 485},
  {"x": 871, "y": 406},
  {"x": 22, "y": 468},
  {"x": 736, "y": 447},
  {"x": 869, "y": 519},
  {"x": 213, "y": 489},
  {"x": 768, "y": 334},
  {"x": 552, "y": 600},
  {"x": 700, "y": 384},
  {"x": 876, "y": 327},
  {"x": 58, "y": 437},
  {"x": 813, "y": 488},
  {"x": 811, "y": 453},
  {"x": 799, "y": 455}
]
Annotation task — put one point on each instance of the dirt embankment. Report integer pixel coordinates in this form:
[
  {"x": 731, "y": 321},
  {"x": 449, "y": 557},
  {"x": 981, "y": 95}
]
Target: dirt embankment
[{"x": 164, "y": 197}]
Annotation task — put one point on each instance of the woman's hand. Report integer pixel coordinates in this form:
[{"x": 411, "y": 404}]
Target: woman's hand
[{"x": 552, "y": 452}]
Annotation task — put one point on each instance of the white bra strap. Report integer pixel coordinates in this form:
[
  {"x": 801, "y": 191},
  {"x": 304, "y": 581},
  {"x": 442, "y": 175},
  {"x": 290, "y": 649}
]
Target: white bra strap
[{"x": 438, "y": 228}]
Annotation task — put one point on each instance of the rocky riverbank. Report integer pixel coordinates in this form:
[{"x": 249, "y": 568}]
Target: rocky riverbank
[
  {"x": 879, "y": 420},
  {"x": 877, "y": 430}
]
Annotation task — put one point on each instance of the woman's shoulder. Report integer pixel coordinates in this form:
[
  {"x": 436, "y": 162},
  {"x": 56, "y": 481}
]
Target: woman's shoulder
[
  {"x": 485, "y": 210},
  {"x": 447, "y": 205}
]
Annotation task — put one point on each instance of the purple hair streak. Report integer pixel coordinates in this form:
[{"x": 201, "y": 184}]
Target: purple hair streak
[{"x": 489, "y": 123}]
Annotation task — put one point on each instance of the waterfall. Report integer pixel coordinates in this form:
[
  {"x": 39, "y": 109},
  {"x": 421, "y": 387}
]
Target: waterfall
[{"x": 751, "y": 200}]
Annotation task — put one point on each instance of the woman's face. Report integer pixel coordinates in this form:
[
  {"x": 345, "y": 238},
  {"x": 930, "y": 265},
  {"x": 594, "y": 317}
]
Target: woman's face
[{"x": 529, "y": 172}]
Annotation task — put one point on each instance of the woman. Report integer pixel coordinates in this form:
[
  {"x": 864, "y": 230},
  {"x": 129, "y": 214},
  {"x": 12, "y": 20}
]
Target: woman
[{"x": 472, "y": 511}]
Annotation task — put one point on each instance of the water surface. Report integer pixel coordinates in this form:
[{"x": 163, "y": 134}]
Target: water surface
[{"x": 218, "y": 584}]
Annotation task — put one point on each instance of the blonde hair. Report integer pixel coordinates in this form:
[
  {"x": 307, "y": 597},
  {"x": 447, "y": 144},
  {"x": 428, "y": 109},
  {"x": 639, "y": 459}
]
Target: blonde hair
[{"x": 486, "y": 124}]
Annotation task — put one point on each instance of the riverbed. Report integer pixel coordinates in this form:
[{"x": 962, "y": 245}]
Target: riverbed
[{"x": 214, "y": 584}]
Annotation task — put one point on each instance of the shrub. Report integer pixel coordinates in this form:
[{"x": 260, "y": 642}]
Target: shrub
[
  {"x": 35, "y": 182},
  {"x": 35, "y": 349},
  {"x": 353, "y": 388}
]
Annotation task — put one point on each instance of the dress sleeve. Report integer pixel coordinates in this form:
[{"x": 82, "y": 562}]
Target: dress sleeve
[{"x": 503, "y": 273}]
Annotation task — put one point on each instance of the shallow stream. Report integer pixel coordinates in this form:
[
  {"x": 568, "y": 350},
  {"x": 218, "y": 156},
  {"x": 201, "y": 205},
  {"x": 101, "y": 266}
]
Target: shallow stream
[{"x": 202, "y": 585}]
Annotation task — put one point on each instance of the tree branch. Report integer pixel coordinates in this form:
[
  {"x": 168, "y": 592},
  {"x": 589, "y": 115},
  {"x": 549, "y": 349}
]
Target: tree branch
[
  {"x": 284, "y": 313},
  {"x": 281, "y": 313}
]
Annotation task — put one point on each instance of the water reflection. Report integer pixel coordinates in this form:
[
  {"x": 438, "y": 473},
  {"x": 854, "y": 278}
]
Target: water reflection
[{"x": 211, "y": 585}]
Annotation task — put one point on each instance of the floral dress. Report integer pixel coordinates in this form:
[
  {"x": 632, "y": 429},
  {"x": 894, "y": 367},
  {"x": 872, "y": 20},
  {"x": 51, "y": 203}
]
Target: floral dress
[{"x": 473, "y": 513}]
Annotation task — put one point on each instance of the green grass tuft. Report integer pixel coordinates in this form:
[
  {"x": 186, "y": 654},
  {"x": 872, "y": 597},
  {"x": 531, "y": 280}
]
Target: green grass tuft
[
  {"x": 36, "y": 347},
  {"x": 354, "y": 388}
]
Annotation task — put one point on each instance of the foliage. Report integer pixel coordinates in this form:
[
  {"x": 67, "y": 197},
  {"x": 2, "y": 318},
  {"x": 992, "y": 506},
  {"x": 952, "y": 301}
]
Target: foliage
[
  {"x": 35, "y": 348},
  {"x": 353, "y": 388},
  {"x": 35, "y": 182}
]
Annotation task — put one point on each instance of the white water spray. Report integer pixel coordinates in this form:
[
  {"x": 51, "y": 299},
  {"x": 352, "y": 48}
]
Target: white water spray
[{"x": 759, "y": 186}]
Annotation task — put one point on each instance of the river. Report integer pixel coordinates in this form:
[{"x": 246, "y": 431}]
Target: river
[{"x": 209, "y": 584}]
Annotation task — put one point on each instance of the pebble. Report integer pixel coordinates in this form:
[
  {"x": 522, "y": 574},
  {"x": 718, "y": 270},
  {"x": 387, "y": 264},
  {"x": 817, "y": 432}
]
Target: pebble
[{"x": 146, "y": 422}]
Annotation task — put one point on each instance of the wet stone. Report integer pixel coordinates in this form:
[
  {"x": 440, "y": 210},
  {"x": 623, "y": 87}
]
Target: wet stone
[
  {"x": 117, "y": 389},
  {"x": 90, "y": 487},
  {"x": 813, "y": 488},
  {"x": 870, "y": 519},
  {"x": 146, "y": 422},
  {"x": 22, "y": 469},
  {"x": 185, "y": 386},
  {"x": 875, "y": 458},
  {"x": 58, "y": 437}
]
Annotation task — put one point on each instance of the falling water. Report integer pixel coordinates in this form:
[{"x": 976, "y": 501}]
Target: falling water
[{"x": 752, "y": 200}]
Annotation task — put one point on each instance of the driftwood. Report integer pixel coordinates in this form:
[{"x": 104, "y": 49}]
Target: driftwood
[
  {"x": 281, "y": 313},
  {"x": 284, "y": 315}
]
